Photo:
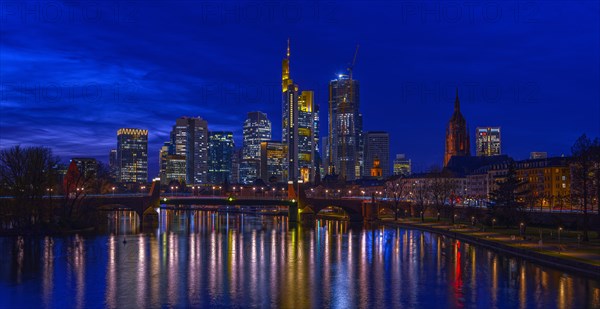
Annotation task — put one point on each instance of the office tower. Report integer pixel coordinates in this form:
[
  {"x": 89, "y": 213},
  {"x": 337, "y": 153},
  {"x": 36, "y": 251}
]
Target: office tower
[
  {"x": 88, "y": 167},
  {"x": 112, "y": 164},
  {"x": 377, "y": 146},
  {"x": 257, "y": 129},
  {"x": 165, "y": 150},
  {"x": 249, "y": 170},
  {"x": 273, "y": 156},
  {"x": 488, "y": 141},
  {"x": 306, "y": 136},
  {"x": 132, "y": 155},
  {"x": 297, "y": 126},
  {"x": 345, "y": 128},
  {"x": 175, "y": 169},
  {"x": 402, "y": 165},
  {"x": 220, "y": 152},
  {"x": 189, "y": 138},
  {"x": 289, "y": 119},
  {"x": 457, "y": 135},
  {"x": 538, "y": 155},
  {"x": 235, "y": 165}
]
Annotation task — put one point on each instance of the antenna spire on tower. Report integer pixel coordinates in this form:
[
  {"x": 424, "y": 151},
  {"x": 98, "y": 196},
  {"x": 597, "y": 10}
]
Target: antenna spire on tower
[{"x": 288, "y": 48}]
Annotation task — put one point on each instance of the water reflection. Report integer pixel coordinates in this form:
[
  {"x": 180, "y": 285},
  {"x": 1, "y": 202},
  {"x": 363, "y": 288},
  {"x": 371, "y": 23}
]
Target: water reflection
[{"x": 198, "y": 258}]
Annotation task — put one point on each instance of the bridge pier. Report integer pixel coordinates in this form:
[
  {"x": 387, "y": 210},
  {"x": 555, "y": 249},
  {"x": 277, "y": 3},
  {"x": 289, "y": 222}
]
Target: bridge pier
[{"x": 293, "y": 212}]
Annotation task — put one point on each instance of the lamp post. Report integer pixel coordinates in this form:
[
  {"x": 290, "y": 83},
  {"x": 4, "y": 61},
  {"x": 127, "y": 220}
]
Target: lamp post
[
  {"x": 493, "y": 223},
  {"x": 176, "y": 187},
  {"x": 326, "y": 193},
  {"x": 113, "y": 190},
  {"x": 559, "y": 229}
]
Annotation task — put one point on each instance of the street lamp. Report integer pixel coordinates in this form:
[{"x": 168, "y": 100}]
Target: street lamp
[
  {"x": 262, "y": 189},
  {"x": 176, "y": 187},
  {"x": 493, "y": 223},
  {"x": 172, "y": 189},
  {"x": 326, "y": 194},
  {"x": 559, "y": 229},
  {"x": 113, "y": 190}
]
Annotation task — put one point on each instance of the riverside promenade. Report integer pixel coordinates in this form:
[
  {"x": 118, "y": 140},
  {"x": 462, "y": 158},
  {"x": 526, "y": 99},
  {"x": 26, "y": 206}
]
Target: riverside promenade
[{"x": 566, "y": 251}]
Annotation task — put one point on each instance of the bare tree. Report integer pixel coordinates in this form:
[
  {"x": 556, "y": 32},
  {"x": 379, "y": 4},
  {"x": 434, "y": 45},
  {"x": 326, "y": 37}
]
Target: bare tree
[
  {"x": 397, "y": 189},
  {"x": 27, "y": 173},
  {"x": 582, "y": 169}
]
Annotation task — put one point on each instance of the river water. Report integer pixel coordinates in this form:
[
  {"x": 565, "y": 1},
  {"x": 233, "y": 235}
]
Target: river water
[{"x": 212, "y": 259}]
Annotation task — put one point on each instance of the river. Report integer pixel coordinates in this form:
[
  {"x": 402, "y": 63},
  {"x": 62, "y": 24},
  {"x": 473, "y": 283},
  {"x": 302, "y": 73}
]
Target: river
[{"x": 213, "y": 259}]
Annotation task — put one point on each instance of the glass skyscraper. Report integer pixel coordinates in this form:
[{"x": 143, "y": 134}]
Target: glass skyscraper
[
  {"x": 132, "y": 155},
  {"x": 220, "y": 153},
  {"x": 488, "y": 141},
  {"x": 345, "y": 129}
]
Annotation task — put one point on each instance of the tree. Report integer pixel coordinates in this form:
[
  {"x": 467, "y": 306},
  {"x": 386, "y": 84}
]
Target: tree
[
  {"x": 442, "y": 188},
  {"x": 421, "y": 193},
  {"x": 507, "y": 200},
  {"x": 27, "y": 174},
  {"x": 397, "y": 188},
  {"x": 582, "y": 171}
]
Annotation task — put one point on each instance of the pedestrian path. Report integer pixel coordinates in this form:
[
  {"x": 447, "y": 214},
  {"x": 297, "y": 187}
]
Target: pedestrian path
[{"x": 567, "y": 248}]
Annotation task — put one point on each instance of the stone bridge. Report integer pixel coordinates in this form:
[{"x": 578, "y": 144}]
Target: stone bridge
[{"x": 143, "y": 205}]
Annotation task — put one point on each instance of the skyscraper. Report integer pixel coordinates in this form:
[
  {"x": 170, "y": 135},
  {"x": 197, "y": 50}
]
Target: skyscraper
[
  {"x": 220, "y": 153},
  {"x": 306, "y": 136},
  {"x": 377, "y": 146},
  {"x": 112, "y": 164},
  {"x": 257, "y": 129},
  {"x": 488, "y": 141},
  {"x": 132, "y": 155},
  {"x": 297, "y": 126},
  {"x": 189, "y": 138},
  {"x": 402, "y": 165},
  {"x": 345, "y": 128},
  {"x": 457, "y": 135},
  {"x": 273, "y": 156}
]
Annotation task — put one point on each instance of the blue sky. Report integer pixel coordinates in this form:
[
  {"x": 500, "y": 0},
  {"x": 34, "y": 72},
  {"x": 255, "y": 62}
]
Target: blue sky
[{"x": 72, "y": 73}]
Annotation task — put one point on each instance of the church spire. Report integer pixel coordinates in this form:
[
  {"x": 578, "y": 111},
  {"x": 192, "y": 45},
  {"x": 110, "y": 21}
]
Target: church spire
[{"x": 456, "y": 102}]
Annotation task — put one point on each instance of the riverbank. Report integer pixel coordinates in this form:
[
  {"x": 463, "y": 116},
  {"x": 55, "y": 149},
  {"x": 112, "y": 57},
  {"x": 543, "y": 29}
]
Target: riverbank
[{"x": 563, "y": 254}]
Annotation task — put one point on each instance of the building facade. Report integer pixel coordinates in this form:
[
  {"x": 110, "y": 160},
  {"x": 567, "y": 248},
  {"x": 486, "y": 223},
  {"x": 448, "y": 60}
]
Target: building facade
[
  {"x": 457, "y": 135},
  {"x": 189, "y": 138},
  {"x": 132, "y": 155},
  {"x": 220, "y": 153},
  {"x": 273, "y": 156},
  {"x": 88, "y": 167},
  {"x": 377, "y": 146},
  {"x": 487, "y": 141},
  {"x": 402, "y": 165},
  {"x": 298, "y": 131},
  {"x": 345, "y": 129}
]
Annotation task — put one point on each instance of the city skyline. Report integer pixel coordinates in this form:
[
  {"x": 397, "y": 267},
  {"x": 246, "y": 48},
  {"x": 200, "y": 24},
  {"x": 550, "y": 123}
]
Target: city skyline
[{"x": 123, "y": 90}]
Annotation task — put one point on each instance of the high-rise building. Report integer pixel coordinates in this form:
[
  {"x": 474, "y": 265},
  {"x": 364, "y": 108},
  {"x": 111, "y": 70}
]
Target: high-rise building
[
  {"x": 88, "y": 167},
  {"x": 402, "y": 165},
  {"x": 189, "y": 138},
  {"x": 132, "y": 155},
  {"x": 220, "y": 153},
  {"x": 306, "y": 136},
  {"x": 457, "y": 135},
  {"x": 488, "y": 141},
  {"x": 175, "y": 169},
  {"x": 297, "y": 126},
  {"x": 165, "y": 150},
  {"x": 248, "y": 171},
  {"x": 257, "y": 129},
  {"x": 235, "y": 165},
  {"x": 112, "y": 164},
  {"x": 273, "y": 156},
  {"x": 377, "y": 146},
  {"x": 345, "y": 128}
]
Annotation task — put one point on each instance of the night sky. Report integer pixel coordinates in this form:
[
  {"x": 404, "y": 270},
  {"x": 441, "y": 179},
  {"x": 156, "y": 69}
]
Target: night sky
[{"x": 72, "y": 73}]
